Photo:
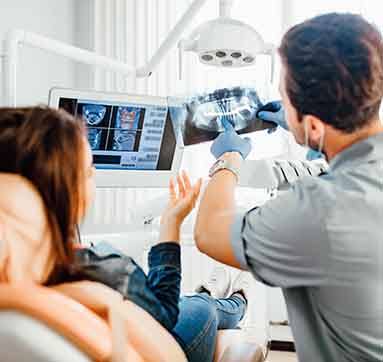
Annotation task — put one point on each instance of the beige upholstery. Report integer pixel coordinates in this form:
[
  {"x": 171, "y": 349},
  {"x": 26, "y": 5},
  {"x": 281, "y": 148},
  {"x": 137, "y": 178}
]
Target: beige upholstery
[{"x": 24, "y": 229}]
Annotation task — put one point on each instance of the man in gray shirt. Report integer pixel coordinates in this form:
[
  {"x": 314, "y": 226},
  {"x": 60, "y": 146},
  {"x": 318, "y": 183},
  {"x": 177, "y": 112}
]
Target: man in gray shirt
[{"x": 321, "y": 241}]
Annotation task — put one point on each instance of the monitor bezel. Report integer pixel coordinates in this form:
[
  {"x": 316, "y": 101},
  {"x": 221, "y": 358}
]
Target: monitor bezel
[{"x": 123, "y": 178}]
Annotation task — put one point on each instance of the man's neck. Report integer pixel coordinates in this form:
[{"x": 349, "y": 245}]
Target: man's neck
[{"x": 337, "y": 141}]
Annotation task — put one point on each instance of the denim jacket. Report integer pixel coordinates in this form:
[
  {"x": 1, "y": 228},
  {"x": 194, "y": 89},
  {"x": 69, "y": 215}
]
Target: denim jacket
[{"x": 158, "y": 292}]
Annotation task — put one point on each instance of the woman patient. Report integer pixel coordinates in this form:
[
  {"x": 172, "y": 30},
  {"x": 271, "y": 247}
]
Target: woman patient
[{"x": 46, "y": 151}]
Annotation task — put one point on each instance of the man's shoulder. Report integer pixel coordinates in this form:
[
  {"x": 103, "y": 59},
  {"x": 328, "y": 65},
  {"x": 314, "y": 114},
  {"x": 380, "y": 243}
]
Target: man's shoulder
[{"x": 300, "y": 211}]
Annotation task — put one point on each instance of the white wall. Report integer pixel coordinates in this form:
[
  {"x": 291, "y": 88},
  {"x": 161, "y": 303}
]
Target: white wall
[
  {"x": 64, "y": 20},
  {"x": 84, "y": 38}
]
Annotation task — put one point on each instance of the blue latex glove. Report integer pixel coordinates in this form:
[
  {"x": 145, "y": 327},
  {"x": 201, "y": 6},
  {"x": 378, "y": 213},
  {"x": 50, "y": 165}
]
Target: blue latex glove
[
  {"x": 229, "y": 141},
  {"x": 313, "y": 155},
  {"x": 273, "y": 112}
]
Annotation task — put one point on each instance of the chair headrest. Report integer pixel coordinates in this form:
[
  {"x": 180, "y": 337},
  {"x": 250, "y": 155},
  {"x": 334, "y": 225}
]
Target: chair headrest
[
  {"x": 78, "y": 324},
  {"x": 21, "y": 203},
  {"x": 24, "y": 226}
]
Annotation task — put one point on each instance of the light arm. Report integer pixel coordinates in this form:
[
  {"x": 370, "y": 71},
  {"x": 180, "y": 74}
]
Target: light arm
[
  {"x": 15, "y": 38},
  {"x": 225, "y": 7},
  {"x": 18, "y": 37}
]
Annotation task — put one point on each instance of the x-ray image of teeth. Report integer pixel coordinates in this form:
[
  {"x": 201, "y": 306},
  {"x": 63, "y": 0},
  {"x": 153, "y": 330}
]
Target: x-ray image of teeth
[
  {"x": 201, "y": 118},
  {"x": 94, "y": 138},
  {"x": 94, "y": 113},
  {"x": 128, "y": 117},
  {"x": 124, "y": 140}
]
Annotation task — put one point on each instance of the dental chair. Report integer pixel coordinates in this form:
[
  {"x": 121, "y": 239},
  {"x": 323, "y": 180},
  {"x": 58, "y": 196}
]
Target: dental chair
[{"x": 40, "y": 324}]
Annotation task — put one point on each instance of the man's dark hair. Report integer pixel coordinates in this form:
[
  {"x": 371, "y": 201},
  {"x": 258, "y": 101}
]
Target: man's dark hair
[{"x": 334, "y": 69}]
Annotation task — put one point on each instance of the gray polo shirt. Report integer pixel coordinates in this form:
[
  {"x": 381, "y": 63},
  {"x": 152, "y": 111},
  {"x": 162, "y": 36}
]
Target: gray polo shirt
[{"x": 322, "y": 243}]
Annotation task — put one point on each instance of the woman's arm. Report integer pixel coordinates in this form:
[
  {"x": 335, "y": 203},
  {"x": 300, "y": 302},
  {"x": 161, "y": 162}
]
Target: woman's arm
[{"x": 164, "y": 278}]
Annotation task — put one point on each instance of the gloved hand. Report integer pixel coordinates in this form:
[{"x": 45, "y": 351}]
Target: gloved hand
[
  {"x": 313, "y": 155},
  {"x": 229, "y": 141},
  {"x": 273, "y": 112}
]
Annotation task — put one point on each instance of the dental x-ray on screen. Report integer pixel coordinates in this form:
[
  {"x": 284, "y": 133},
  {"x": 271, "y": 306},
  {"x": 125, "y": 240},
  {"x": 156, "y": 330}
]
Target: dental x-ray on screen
[
  {"x": 132, "y": 137},
  {"x": 126, "y": 135}
]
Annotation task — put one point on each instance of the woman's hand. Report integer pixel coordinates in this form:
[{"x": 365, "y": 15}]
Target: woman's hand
[{"x": 181, "y": 203}]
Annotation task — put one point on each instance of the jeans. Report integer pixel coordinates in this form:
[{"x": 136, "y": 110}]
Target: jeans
[
  {"x": 200, "y": 317},
  {"x": 192, "y": 320}
]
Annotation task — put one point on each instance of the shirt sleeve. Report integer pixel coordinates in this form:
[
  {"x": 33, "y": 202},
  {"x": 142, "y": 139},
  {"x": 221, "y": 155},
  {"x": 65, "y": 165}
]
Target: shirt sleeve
[
  {"x": 164, "y": 278},
  {"x": 284, "y": 243}
]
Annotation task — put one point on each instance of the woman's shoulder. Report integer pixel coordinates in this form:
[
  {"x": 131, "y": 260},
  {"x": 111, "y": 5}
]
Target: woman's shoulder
[{"x": 103, "y": 263}]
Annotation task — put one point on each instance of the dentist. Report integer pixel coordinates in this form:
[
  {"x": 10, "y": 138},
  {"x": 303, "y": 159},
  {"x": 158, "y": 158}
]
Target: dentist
[{"x": 321, "y": 241}]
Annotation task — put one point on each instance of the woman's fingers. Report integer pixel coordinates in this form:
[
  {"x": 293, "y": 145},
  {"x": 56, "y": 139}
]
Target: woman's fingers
[
  {"x": 186, "y": 181},
  {"x": 181, "y": 186},
  {"x": 185, "y": 188},
  {"x": 172, "y": 189}
]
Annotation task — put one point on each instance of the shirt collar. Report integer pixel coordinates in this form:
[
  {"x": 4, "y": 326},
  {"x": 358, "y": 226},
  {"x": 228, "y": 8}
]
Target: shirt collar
[{"x": 369, "y": 149}]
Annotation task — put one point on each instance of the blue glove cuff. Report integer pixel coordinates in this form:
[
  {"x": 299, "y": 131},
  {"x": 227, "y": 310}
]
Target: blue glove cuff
[{"x": 230, "y": 142}]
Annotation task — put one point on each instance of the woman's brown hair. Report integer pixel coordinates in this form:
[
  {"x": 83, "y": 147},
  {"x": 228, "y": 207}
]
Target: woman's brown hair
[{"x": 46, "y": 147}]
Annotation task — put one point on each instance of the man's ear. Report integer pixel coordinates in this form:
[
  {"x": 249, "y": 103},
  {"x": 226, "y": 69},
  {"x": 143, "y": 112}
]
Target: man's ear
[{"x": 315, "y": 127}]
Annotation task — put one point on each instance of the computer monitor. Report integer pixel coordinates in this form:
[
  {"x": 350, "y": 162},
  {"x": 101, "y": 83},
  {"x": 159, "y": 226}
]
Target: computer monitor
[{"x": 132, "y": 137}]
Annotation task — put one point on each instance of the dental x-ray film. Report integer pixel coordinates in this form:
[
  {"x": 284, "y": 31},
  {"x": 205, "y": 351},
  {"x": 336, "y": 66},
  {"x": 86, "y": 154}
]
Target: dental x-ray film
[{"x": 203, "y": 117}]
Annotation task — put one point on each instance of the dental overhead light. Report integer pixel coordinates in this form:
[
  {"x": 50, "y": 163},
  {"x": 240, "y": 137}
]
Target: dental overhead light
[{"x": 226, "y": 42}]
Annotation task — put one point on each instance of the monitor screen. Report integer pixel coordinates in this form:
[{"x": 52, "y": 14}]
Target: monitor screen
[{"x": 126, "y": 135}]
